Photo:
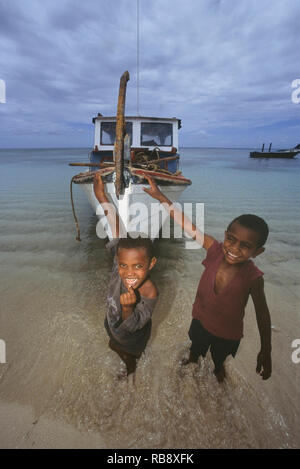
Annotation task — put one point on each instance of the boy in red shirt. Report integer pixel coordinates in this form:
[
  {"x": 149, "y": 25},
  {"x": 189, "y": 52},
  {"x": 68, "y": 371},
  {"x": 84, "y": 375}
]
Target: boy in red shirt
[{"x": 228, "y": 279}]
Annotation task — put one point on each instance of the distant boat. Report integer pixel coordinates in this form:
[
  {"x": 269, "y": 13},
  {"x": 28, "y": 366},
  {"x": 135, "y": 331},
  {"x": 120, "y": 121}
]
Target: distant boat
[{"x": 275, "y": 154}]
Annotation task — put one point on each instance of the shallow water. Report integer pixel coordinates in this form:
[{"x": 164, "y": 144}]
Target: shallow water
[{"x": 53, "y": 293}]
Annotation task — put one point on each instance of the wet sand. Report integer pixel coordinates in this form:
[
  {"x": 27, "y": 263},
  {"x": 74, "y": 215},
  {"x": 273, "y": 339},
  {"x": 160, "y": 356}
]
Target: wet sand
[
  {"x": 20, "y": 430},
  {"x": 62, "y": 375}
]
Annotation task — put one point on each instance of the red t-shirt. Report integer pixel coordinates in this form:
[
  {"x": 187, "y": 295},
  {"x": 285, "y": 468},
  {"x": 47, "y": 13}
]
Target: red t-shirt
[{"x": 222, "y": 314}]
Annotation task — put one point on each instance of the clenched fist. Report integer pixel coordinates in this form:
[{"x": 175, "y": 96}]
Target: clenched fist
[
  {"x": 128, "y": 298},
  {"x": 127, "y": 301}
]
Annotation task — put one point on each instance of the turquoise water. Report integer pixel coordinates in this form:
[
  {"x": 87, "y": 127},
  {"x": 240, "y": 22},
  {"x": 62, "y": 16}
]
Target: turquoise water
[{"x": 53, "y": 305}]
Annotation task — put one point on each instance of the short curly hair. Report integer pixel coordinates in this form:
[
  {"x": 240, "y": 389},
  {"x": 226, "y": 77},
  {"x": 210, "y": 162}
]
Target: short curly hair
[
  {"x": 255, "y": 223},
  {"x": 135, "y": 242}
]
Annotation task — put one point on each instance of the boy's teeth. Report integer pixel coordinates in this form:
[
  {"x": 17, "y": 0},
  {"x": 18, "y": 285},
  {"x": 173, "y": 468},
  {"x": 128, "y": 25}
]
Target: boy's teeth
[
  {"x": 232, "y": 255},
  {"x": 131, "y": 280}
]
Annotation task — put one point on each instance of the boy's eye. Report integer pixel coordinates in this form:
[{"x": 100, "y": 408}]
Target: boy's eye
[
  {"x": 122, "y": 266},
  {"x": 139, "y": 266}
]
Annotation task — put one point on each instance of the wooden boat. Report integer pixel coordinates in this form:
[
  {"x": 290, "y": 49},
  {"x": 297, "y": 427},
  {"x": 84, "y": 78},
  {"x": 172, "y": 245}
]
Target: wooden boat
[
  {"x": 125, "y": 150},
  {"x": 275, "y": 154}
]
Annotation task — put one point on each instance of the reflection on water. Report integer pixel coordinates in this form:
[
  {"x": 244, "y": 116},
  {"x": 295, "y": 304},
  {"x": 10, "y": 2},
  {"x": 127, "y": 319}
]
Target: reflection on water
[{"x": 53, "y": 293}]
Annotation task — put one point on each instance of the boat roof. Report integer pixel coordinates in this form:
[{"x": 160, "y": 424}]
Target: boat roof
[{"x": 159, "y": 119}]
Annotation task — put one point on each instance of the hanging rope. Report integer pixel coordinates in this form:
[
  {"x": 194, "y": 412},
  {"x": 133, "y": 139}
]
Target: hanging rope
[{"x": 73, "y": 209}]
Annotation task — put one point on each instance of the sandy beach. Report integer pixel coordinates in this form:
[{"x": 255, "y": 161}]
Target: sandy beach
[{"x": 20, "y": 430}]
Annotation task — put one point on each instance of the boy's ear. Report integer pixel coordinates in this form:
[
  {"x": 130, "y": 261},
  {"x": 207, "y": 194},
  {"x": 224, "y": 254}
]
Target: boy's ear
[
  {"x": 258, "y": 251},
  {"x": 152, "y": 262}
]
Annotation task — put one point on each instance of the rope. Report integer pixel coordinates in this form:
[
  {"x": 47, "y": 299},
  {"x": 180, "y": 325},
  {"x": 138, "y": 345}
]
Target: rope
[
  {"x": 141, "y": 159},
  {"x": 156, "y": 152},
  {"x": 73, "y": 209}
]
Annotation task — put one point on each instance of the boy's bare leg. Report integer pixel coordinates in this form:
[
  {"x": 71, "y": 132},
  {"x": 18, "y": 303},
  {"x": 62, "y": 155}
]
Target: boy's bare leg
[
  {"x": 220, "y": 373},
  {"x": 129, "y": 360},
  {"x": 191, "y": 359}
]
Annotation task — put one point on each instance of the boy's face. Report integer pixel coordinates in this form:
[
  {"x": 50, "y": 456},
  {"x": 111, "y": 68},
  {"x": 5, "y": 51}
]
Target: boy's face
[
  {"x": 240, "y": 244},
  {"x": 134, "y": 265}
]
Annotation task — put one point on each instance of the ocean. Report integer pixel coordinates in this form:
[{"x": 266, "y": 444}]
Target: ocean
[{"x": 59, "y": 370}]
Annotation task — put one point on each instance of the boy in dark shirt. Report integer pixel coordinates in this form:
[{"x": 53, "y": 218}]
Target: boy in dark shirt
[
  {"x": 223, "y": 291},
  {"x": 132, "y": 295}
]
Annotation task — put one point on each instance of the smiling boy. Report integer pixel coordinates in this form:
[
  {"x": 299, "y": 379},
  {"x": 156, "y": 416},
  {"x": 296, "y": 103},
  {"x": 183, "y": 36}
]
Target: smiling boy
[
  {"x": 230, "y": 276},
  {"x": 132, "y": 295}
]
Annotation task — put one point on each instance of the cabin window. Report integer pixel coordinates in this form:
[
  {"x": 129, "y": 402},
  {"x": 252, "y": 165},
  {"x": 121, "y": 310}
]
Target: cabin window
[
  {"x": 156, "y": 134},
  {"x": 108, "y": 132}
]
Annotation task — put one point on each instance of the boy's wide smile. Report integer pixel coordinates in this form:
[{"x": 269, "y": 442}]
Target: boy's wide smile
[
  {"x": 131, "y": 281},
  {"x": 231, "y": 256},
  {"x": 240, "y": 244}
]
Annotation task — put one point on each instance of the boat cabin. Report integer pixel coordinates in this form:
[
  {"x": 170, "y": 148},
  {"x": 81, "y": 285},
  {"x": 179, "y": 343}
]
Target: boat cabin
[{"x": 153, "y": 137}]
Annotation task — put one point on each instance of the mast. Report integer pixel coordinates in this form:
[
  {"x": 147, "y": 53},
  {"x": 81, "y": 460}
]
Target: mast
[
  {"x": 120, "y": 133},
  {"x": 138, "y": 57}
]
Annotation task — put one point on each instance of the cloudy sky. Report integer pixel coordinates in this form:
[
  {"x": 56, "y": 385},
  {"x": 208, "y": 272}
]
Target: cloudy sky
[{"x": 225, "y": 67}]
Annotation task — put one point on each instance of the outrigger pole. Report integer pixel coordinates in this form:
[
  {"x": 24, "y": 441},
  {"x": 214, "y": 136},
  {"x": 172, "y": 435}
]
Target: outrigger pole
[{"x": 120, "y": 134}]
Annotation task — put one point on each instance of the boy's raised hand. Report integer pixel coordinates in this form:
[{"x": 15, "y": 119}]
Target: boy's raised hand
[
  {"x": 154, "y": 190},
  {"x": 264, "y": 365},
  {"x": 128, "y": 298}
]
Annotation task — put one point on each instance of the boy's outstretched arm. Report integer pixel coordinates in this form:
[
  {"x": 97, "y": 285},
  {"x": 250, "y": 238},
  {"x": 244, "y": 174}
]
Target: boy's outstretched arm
[
  {"x": 264, "y": 363},
  {"x": 179, "y": 217},
  {"x": 108, "y": 208}
]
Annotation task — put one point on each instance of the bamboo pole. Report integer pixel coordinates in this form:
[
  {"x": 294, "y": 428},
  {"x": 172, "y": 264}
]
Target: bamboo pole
[
  {"x": 104, "y": 164},
  {"x": 160, "y": 160},
  {"x": 120, "y": 133}
]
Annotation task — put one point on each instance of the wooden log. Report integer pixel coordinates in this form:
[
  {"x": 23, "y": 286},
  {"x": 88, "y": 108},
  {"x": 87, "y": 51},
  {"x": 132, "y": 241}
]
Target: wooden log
[
  {"x": 93, "y": 165},
  {"x": 167, "y": 158},
  {"x": 172, "y": 178},
  {"x": 111, "y": 163},
  {"x": 120, "y": 133}
]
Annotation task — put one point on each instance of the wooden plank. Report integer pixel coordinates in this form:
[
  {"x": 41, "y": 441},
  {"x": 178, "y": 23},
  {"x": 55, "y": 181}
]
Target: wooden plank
[
  {"x": 167, "y": 158},
  {"x": 93, "y": 165},
  {"x": 157, "y": 175}
]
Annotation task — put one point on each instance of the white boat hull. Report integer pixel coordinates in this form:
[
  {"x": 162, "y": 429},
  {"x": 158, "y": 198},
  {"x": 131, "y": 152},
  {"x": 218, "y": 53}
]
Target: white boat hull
[{"x": 138, "y": 211}]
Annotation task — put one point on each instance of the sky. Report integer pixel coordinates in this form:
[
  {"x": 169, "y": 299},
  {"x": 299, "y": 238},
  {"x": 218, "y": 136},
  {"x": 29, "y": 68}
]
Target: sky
[{"x": 224, "y": 67}]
